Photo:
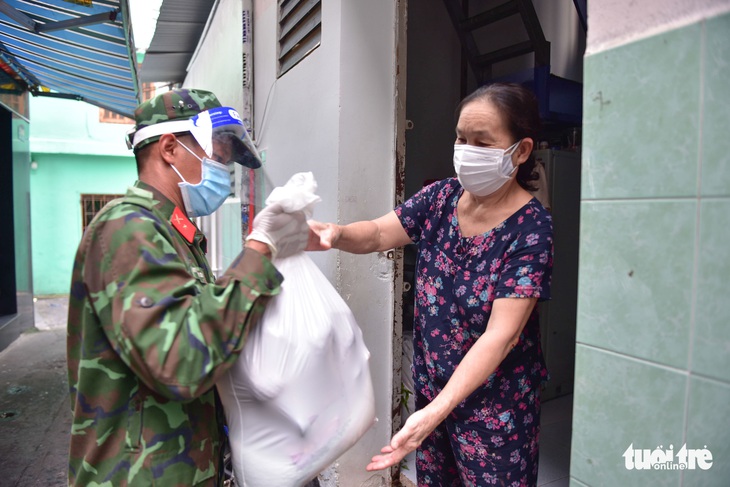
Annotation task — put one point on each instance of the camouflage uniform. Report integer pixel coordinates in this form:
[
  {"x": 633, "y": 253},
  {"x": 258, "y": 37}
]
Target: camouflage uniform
[{"x": 149, "y": 333}]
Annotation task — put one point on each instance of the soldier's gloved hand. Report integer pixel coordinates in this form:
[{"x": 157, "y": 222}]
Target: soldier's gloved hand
[{"x": 284, "y": 233}]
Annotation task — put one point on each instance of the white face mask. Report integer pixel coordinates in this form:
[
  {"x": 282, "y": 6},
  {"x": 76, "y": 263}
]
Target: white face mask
[{"x": 483, "y": 170}]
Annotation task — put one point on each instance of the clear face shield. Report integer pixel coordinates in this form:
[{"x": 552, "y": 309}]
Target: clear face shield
[
  {"x": 224, "y": 126},
  {"x": 221, "y": 134}
]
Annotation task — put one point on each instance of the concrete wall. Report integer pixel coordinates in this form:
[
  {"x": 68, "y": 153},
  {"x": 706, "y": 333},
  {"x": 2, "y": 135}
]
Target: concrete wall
[
  {"x": 297, "y": 116},
  {"x": 216, "y": 64},
  {"x": 652, "y": 361},
  {"x": 366, "y": 165},
  {"x": 74, "y": 154}
]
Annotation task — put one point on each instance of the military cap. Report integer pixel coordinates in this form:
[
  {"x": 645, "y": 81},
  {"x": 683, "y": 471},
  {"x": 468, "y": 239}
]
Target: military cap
[
  {"x": 179, "y": 104},
  {"x": 176, "y": 107}
]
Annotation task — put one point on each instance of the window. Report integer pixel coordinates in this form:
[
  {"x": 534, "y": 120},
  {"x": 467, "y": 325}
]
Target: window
[
  {"x": 300, "y": 31},
  {"x": 17, "y": 103},
  {"x": 90, "y": 206},
  {"x": 108, "y": 116}
]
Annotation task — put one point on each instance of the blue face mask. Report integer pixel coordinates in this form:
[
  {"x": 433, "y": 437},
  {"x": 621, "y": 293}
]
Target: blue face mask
[{"x": 209, "y": 194}]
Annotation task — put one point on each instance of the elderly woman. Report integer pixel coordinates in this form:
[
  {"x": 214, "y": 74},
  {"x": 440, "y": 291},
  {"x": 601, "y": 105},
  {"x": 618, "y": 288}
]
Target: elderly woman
[{"x": 484, "y": 260}]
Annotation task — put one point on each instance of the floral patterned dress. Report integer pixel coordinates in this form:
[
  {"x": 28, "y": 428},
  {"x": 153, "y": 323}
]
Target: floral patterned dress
[{"x": 491, "y": 438}]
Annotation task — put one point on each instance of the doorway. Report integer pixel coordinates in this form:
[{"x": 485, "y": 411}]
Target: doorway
[
  {"x": 16, "y": 296},
  {"x": 8, "y": 303},
  {"x": 439, "y": 75}
]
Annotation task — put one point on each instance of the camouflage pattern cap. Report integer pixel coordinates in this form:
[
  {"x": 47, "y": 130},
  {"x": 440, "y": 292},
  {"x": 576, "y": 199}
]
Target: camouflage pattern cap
[{"x": 179, "y": 104}]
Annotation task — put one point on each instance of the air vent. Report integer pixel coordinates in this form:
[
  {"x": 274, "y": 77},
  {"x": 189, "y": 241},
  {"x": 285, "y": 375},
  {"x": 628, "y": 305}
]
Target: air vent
[{"x": 300, "y": 31}]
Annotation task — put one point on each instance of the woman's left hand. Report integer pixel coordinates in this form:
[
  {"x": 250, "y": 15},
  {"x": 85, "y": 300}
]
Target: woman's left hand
[{"x": 418, "y": 426}]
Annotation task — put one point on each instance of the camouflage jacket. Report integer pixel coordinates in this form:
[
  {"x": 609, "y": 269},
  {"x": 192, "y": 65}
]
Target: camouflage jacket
[{"x": 149, "y": 333}]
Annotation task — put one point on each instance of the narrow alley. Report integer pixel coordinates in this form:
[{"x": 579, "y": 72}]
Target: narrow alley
[{"x": 35, "y": 416}]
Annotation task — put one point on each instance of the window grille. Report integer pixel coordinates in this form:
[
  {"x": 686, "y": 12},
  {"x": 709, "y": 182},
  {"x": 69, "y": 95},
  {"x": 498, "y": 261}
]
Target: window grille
[
  {"x": 300, "y": 31},
  {"x": 91, "y": 204}
]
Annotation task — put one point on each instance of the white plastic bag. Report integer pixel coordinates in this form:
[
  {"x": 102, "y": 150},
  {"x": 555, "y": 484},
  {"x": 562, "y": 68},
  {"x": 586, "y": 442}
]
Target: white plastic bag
[{"x": 301, "y": 394}]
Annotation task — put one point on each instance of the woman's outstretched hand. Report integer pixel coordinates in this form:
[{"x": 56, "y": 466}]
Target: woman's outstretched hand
[
  {"x": 417, "y": 428},
  {"x": 322, "y": 236}
]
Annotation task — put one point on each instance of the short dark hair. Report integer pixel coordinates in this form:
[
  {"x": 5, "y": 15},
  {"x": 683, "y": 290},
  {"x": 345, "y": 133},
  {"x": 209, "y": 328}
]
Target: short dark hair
[
  {"x": 142, "y": 154},
  {"x": 518, "y": 106}
]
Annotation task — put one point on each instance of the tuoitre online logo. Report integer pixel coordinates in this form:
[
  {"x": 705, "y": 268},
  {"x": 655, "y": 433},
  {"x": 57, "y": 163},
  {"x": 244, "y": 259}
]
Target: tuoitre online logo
[{"x": 661, "y": 459}]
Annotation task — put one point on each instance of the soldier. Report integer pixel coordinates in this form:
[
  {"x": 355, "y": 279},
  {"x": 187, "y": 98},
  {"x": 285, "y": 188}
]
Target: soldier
[{"x": 149, "y": 328}]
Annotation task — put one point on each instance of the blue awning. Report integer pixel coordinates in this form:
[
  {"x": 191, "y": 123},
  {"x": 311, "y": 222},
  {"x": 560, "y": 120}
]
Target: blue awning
[{"x": 80, "y": 49}]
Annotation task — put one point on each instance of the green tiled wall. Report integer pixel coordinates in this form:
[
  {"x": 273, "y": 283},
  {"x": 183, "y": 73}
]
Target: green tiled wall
[
  {"x": 634, "y": 256},
  {"x": 711, "y": 351},
  {"x": 633, "y": 402},
  {"x": 641, "y": 118},
  {"x": 653, "y": 352},
  {"x": 715, "y": 137}
]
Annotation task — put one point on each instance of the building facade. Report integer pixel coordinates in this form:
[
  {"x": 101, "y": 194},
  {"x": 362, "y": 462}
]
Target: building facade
[{"x": 79, "y": 161}]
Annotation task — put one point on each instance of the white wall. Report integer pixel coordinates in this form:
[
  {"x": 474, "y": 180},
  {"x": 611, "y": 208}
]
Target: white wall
[
  {"x": 617, "y": 22},
  {"x": 216, "y": 65},
  {"x": 367, "y": 168},
  {"x": 296, "y": 117}
]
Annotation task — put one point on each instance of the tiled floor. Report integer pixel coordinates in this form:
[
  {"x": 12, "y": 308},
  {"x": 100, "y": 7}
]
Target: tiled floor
[
  {"x": 555, "y": 431},
  {"x": 556, "y": 419}
]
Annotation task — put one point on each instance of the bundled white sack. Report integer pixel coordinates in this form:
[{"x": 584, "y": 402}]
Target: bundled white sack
[{"x": 301, "y": 394}]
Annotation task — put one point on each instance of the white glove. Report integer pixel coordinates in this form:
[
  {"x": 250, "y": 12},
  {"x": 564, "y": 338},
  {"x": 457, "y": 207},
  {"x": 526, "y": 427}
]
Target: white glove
[{"x": 285, "y": 233}]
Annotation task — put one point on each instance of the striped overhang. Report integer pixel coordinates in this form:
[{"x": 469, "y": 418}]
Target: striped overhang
[{"x": 49, "y": 48}]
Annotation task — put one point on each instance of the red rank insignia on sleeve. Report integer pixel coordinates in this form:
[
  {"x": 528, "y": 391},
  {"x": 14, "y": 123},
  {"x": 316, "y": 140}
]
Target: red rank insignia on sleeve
[{"x": 183, "y": 225}]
